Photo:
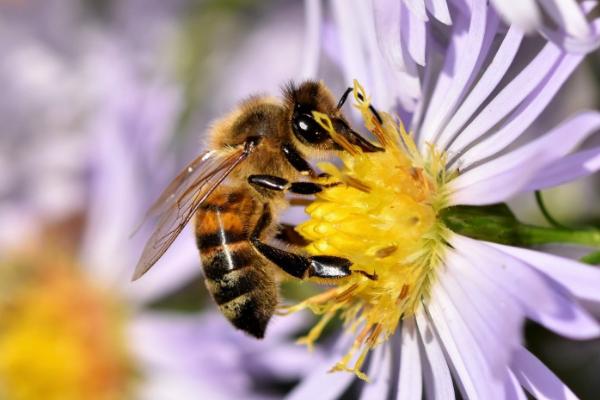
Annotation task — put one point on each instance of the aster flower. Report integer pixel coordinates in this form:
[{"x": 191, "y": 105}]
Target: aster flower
[{"x": 453, "y": 291}]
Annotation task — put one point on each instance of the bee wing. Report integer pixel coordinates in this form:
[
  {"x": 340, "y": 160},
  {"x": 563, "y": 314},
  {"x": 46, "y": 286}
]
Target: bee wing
[{"x": 182, "y": 198}]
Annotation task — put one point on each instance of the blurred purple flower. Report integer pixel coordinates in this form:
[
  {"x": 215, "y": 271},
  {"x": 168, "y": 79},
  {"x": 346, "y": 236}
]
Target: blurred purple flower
[
  {"x": 105, "y": 108},
  {"x": 479, "y": 95}
]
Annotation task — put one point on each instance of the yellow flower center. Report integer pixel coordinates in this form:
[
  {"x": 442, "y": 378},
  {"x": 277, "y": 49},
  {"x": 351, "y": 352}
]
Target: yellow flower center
[
  {"x": 383, "y": 218},
  {"x": 60, "y": 339}
]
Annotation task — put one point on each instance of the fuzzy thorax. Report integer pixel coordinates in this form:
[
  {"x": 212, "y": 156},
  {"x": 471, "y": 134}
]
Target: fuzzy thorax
[{"x": 384, "y": 218}]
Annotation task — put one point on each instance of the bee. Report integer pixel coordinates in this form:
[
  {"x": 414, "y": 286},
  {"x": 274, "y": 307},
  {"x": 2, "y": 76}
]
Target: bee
[{"x": 237, "y": 189}]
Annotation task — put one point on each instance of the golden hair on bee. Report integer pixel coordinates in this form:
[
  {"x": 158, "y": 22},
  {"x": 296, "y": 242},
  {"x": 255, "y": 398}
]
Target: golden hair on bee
[{"x": 237, "y": 189}]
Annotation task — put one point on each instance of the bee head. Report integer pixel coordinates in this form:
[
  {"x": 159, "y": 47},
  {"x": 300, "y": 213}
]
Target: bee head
[{"x": 312, "y": 96}]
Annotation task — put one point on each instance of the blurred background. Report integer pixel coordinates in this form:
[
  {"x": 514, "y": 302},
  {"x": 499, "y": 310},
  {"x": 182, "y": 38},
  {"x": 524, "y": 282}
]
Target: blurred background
[{"x": 103, "y": 101}]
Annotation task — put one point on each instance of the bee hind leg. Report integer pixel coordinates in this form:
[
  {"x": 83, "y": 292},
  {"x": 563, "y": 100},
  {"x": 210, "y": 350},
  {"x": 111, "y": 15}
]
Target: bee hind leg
[
  {"x": 287, "y": 234},
  {"x": 299, "y": 266}
]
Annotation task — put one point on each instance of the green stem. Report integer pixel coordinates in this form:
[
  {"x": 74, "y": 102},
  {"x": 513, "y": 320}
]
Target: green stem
[
  {"x": 592, "y": 258},
  {"x": 545, "y": 212},
  {"x": 496, "y": 223},
  {"x": 532, "y": 235}
]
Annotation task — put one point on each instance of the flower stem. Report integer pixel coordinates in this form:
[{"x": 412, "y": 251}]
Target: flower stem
[{"x": 496, "y": 223}]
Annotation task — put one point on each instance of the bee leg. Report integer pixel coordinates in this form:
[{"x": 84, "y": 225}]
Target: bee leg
[
  {"x": 272, "y": 182},
  {"x": 287, "y": 234},
  {"x": 329, "y": 267},
  {"x": 345, "y": 97},
  {"x": 296, "y": 160}
]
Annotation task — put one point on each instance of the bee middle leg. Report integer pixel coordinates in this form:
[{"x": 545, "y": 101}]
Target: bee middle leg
[{"x": 277, "y": 183}]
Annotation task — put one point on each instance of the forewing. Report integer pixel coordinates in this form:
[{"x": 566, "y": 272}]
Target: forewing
[{"x": 182, "y": 198}]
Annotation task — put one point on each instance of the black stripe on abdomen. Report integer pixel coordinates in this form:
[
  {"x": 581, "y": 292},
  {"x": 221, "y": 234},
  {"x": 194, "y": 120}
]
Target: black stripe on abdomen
[
  {"x": 233, "y": 285},
  {"x": 226, "y": 261},
  {"x": 220, "y": 238}
]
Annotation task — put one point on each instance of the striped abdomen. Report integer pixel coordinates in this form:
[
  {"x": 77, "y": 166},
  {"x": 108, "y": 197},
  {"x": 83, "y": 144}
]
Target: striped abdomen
[{"x": 235, "y": 274}]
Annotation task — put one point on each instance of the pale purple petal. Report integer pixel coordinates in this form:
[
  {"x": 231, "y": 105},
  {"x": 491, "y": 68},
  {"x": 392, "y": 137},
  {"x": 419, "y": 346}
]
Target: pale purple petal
[
  {"x": 509, "y": 97},
  {"x": 320, "y": 383},
  {"x": 575, "y": 45},
  {"x": 413, "y": 34},
  {"x": 312, "y": 38},
  {"x": 569, "y": 15},
  {"x": 582, "y": 280},
  {"x": 514, "y": 390},
  {"x": 485, "y": 85},
  {"x": 489, "y": 294},
  {"x": 523, "y": 13},
  {"x": 543, "y": 301},
  {"x": 501, "y": 178},
  {"x": 538, "y": 379},
  {"x": 380, "y": 373},
  {"x": 225, "y": 360},
  {"x": 471, "y": 369},
  {"x": 350, "y": 41},
  {"x": 410, "y": 384},
  {"x": 388, "y": 15},
  {"x": 466, "y": 53},
  {"x": 567, "y": 169},
  {"x": 524, "y": 115},
  {"x": 178, "y": 265},
  {"x": 417, "y": 7},
  {"x": 477, "y": 305},
  {"x": 436, "y": 374},
  {"x": 439, "y": 9}
]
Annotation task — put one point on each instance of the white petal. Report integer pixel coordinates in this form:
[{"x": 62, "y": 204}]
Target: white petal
[
  {"x": 582, "y": 280},
  {"x": 569, "y": 15},
  {"x": 569, "y": 168},
  {"x": 523, "y": 13},
  {"x": 485, "y": 85},
  {"x": 312, "y": 38},
  {"x": 410, "y": 384},
  {"x": 380, "y": 373},
  {"x": 543, "y": 301},
  {"x": 538, "y": 379},
  {"x": 436, "y": 375},
  {"x": 509, "y": 97},
  {"x": 501, "y": 178}
]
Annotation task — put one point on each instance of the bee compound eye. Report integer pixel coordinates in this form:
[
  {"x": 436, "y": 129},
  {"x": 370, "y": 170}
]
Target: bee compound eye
[{"x": 307, "y": 129}]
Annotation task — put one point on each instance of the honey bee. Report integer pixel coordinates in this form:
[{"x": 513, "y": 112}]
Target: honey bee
[{"x": 237, "y": 190}]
